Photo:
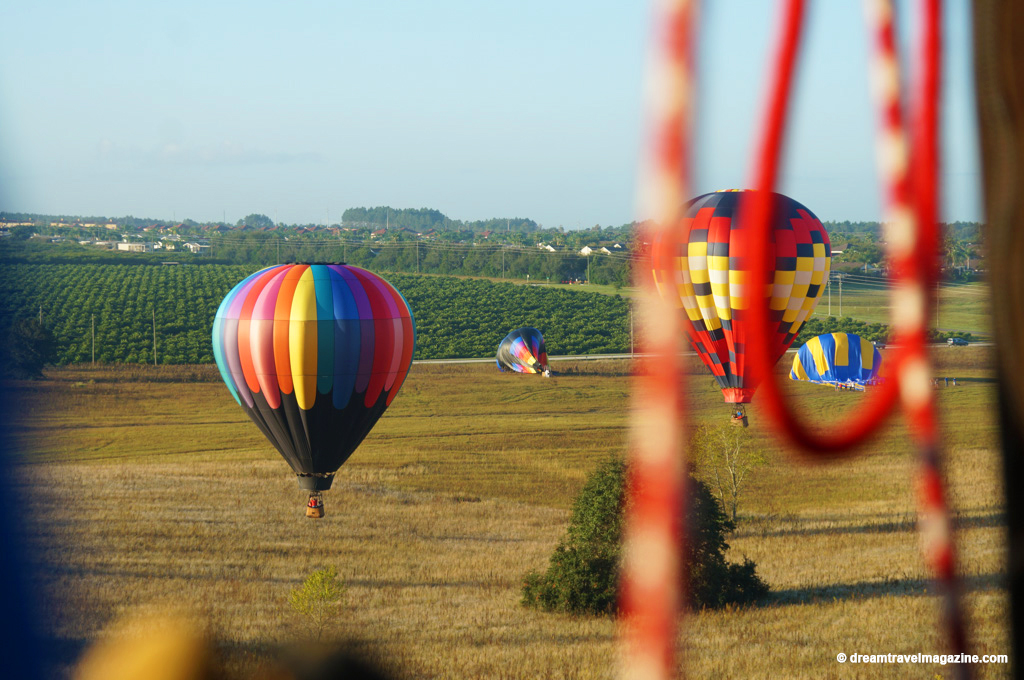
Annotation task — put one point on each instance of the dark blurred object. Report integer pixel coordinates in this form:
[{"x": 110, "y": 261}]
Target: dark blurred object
[
  {"x": 28, "y": 347},
  {"x": 19, "y": 642},
  {"x": 324, "y": 663},
  {"x": 999, "y": 75}
]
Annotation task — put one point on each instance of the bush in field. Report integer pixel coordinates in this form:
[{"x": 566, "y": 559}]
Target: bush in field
[
  {"x": 29, "y": 346},
  {"x": 318, "y": 599},
  {"x": 582, "y": 576}
]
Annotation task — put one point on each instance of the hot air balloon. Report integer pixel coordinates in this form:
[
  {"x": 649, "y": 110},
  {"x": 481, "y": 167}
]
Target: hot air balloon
[
  {"x": 314, "y": 354},
  {"x": 840, "y": 359},
  {"x": 704, "y": 268},
  {"x": 523, "y": 351}
]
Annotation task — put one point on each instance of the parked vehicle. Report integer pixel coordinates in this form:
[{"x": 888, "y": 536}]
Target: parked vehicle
[{"x": 956, "y": 342}]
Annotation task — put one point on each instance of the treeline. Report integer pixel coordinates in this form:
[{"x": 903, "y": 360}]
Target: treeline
[
  {"x": 260, "y": 249},
  {"x": 425, "y": 257},
  {"x": 962, "y": 231},
  {"x": 872, "y": 332},
  {"x": 121, "y": 306},
  {"x": 425, "y": 219},
  {"x": 14, "y": 251}
]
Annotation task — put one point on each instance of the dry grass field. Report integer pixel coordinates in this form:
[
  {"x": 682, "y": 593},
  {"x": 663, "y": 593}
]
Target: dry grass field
[{"x": 148, "y": 488}]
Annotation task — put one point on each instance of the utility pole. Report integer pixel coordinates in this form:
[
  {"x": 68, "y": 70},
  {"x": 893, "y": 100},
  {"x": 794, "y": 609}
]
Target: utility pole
[
  {"x": 154, "y": 335},
  {"x": 828, "y": 285},
  {"x": 93, "y": 339},
  {"x": 279, "y": 251},
  {"x": 417, "y": 257},
  {"x": 630, "y": 330},
  {"x": 40, "y": 315},
  {"x": 502, "y": 263},
  {"x": 840, "y": 295},
  {"x": 588, "y": 268}
]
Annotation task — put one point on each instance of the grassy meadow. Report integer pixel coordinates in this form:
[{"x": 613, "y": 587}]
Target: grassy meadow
[
  {"x": 149, "y": 488},
  {"x": 961, "y": 306}
]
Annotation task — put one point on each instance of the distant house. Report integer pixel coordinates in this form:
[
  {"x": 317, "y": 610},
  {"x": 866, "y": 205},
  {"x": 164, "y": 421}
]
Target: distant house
[
  {"x": 134, "y": 247},
  {"x": 588, "y": 250},
  {"x": 378, "y": 233},
  {"x": 196, "y": 247},
  {"x": 551, "y": 248}
]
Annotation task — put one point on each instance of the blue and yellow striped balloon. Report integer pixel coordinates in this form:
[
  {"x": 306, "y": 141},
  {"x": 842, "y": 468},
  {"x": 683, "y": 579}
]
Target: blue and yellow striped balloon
[{"x": 837, "y": 358}]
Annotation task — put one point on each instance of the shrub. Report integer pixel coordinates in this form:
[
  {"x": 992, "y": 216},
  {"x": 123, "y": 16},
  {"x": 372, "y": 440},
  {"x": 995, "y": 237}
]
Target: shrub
[
  {"x": 29, "y": 347},
  {"x": 582, "y": 575}
]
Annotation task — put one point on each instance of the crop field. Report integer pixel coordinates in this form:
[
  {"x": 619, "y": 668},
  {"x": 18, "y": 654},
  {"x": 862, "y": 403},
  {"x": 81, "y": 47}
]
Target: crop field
[
  {"x": 147, "y": 488},
  {"x": 115, "y": 313}
]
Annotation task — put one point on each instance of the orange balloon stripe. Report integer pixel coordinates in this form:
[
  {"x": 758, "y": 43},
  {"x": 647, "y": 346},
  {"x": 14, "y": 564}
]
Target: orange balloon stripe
[{"x": 282, "y": 328}]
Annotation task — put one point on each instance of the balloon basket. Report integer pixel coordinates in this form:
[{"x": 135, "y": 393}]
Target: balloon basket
[
  {"x": 315, "y": 506},
  {"x": 738, "y": 416}
]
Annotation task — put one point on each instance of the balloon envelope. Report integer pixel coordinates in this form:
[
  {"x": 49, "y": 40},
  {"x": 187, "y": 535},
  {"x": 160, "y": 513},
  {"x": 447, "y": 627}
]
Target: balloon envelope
[
  {"x": 837, "y": 358},
  {"x": 314, "y": 354},
  {"x": 523, "y": 351},
  {"x": 704, "y": 267}
]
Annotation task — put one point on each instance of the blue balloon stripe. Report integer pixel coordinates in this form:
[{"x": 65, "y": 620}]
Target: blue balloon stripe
[
  {"x": 324, "y": 328},
  {"x": 347, "y": 340}
]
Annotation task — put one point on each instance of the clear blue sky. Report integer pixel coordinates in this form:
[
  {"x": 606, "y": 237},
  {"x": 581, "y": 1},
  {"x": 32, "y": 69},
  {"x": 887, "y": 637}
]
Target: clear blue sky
[{"x": 208, "y": 110}]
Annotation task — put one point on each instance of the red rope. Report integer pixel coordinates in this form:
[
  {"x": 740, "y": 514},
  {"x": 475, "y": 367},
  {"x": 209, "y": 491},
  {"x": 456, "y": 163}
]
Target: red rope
[
  {"x": 651, "y": 594},
  {"x": 912, "y": 234},
  {"x": 651, "y": 579}
]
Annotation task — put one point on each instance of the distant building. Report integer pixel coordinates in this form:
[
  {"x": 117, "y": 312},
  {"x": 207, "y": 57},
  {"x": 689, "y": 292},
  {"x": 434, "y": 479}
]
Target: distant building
[{"x": 134, "y": 247}]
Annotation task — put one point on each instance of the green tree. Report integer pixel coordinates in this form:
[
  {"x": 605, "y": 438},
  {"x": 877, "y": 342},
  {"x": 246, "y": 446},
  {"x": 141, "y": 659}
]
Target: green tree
[
  {"x": 726, "y": 455},
  {"x": 318, "y": 599},
  {"x": 30, "y": 346},
  {"x": 582, "y": 575},
  {"x": 256, "y": 221}
]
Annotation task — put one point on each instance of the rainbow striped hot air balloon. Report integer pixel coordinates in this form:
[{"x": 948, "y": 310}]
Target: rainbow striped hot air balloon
[
  {"x": 837, "y": 359},
  {"x": 704, "y": 268},
  {"x": 314, "y": 354},
  {"x": 523, "y": 351}
]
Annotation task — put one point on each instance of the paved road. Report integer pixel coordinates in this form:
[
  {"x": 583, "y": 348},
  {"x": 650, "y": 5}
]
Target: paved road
[{"x": 596, "y": 357}]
